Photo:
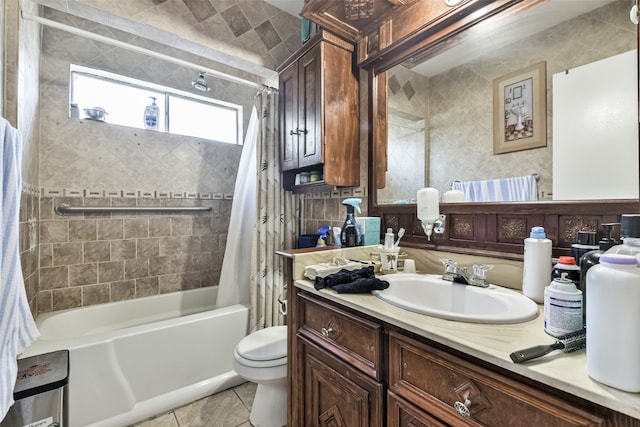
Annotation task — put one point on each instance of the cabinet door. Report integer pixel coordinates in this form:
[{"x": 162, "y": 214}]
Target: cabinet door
[
  {"x": 401, "y": 413},
  {"x": 289, "y": 117},
  {"x": 337, "y": 395},
  {"x": 310, "y": 108}
]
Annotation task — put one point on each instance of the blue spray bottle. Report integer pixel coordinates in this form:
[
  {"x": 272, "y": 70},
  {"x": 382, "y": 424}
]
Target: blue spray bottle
[{"x": 351, "y": 235}]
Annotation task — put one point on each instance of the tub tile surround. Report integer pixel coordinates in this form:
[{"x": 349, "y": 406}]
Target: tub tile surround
[{"x": 96, "y": 258}]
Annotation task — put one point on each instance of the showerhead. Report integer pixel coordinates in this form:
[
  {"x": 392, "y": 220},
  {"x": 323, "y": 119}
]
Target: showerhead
[{"x": 200, "y": 83}]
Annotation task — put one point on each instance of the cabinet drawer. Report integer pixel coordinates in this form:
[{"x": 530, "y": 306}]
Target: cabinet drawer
[
  {"x": 438, "y": 381},
  {"x": 355, "y": 340}
]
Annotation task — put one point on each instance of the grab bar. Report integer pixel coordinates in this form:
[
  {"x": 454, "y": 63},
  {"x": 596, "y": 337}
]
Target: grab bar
[{"x": 64, "y": 208}]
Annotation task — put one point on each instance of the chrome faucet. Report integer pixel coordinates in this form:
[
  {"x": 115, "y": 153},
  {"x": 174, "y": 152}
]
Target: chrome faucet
[{"x": 455, "y": 274}]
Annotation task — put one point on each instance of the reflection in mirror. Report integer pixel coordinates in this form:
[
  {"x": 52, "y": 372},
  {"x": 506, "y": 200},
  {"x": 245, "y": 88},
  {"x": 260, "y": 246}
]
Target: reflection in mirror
[{"x": 447, "y": 101}]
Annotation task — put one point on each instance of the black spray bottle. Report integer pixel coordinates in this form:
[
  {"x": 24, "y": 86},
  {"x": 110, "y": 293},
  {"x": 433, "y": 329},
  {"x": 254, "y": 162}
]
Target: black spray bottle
[{"x": 351, "y": 235}]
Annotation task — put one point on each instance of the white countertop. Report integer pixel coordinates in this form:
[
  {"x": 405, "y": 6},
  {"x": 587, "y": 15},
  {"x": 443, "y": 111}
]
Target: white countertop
[{"x": 493, "y": 344}]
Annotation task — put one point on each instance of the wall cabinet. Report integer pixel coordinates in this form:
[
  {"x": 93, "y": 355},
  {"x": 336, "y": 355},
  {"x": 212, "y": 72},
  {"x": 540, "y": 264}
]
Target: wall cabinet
[
  {"x": 319, "y": 113},
  {"x": 348, "y": 369}
]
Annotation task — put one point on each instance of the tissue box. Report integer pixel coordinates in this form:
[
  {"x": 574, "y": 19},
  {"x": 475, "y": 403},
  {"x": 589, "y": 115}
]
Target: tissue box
[{"x": 370, "y": 228}]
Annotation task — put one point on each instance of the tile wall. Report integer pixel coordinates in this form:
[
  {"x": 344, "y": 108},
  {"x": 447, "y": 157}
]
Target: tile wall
[{"x": 95, "y": 258}]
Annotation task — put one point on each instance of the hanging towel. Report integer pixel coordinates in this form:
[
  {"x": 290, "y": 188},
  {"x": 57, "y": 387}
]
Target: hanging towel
[
  {"x": 518, "y": 189},
  {"x": 17, "y": 328}
]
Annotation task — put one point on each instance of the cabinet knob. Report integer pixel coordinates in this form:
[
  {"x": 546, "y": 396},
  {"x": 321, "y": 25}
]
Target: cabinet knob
[
  {"x": 463, "y": 408},
  {"x": 326, "y": 332}
]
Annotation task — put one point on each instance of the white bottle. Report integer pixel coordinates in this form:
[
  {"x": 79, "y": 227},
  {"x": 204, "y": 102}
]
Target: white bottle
[
  {"x": 389, "y": 239},
  {"x": 562, "y": 307},
  {"x": 537, "y": 264},
  {"x": 613, "y": 341},
  {"x": 151, "y": 113}
]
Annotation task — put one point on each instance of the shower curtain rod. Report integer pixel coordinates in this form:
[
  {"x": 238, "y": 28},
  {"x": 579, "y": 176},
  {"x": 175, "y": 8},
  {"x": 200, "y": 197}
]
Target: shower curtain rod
[{"x": 118, "y": 43}]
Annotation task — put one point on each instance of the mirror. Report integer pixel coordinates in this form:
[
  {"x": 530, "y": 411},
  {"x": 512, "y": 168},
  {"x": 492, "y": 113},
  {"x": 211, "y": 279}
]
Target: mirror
[{"x": 440, "y": 113}]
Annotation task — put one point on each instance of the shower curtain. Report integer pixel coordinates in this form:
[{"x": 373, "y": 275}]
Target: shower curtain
[
  {"x": 276, "y": 225},
  {"x": 234, "y": 274},
  {"x": 257, "y": 232}
]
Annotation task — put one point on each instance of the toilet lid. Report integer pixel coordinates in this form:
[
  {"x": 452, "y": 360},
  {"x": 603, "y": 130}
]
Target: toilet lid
[{"x": 265, "y": 344}]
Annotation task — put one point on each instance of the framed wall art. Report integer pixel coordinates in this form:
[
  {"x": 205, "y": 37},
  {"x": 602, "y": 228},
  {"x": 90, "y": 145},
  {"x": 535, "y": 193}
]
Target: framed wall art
[{"x": 520, "y": 110}]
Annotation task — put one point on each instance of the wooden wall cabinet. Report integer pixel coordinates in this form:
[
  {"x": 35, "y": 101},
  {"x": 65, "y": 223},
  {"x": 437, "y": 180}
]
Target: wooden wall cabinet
[{"x": 319, "y": 114}]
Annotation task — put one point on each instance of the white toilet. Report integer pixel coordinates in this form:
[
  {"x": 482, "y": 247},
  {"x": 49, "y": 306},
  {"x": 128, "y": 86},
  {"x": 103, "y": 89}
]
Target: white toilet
[{"x": 261, "y": 357}]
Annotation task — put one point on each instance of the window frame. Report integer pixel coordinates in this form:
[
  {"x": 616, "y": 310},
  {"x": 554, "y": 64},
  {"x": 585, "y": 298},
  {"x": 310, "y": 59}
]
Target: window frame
[{"x": 166, "y": 93}]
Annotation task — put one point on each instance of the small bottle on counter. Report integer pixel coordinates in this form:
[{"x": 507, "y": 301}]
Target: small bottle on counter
[
  {"x": 613, "y": 342},
  {"x": 566, "y": 264},
  {"x": 587, "y": 241},
  {"x": 562, "y": 307},
  {"x": 537, "y": 264}
]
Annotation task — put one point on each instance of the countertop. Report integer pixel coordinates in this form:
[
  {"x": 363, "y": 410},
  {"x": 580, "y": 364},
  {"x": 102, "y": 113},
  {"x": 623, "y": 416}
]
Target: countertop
[{"x": 493, "y": 343}]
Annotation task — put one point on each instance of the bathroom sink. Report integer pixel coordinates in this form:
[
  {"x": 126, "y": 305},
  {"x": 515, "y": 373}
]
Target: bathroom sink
[{"x": 429, "y": 294}]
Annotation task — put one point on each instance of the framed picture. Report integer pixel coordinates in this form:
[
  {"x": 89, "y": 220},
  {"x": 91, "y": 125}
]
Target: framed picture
[{"x": 520, "y": 110}]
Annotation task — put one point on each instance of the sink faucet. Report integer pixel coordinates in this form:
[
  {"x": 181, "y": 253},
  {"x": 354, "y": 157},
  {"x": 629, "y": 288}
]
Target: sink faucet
[{"x": 455, "y": 274}]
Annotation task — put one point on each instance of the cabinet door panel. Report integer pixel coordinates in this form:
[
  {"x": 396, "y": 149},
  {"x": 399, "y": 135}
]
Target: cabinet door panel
[
  {"x": 310, "y": 108},
  {"x": 401, "y": 413},
  {"x": 289, "y": 117},
  {"x": 337, "y": 395}
]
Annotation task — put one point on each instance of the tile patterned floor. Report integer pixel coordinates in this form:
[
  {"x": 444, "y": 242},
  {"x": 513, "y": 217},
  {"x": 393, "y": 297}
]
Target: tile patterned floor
[{"x": 229, "y": 408}]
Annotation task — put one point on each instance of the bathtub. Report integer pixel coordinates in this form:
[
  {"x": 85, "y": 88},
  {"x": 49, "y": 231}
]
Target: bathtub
[{"x": 133, "y": 359}]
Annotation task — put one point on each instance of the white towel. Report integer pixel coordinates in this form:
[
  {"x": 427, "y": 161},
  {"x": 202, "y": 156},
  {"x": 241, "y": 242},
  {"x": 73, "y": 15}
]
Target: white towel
[
  {"x": 518, "y": 189},
  {"x": 17, "y": 328}
]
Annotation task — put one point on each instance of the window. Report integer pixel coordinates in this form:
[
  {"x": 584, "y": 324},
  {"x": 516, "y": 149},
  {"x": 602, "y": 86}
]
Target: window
[{"x": 125, "y": 100}]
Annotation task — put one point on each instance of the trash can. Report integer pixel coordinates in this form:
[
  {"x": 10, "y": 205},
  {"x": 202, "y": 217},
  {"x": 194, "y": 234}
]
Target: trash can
[{"x": 40, "y": 393}]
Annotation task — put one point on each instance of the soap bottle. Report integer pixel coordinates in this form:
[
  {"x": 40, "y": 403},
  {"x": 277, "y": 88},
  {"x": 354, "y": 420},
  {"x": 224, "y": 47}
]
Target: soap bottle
[
  {"x": 351, "y": 235},
  {"x": 586, "y": 242},
  {"x": 613, "y": 342},
  {"x": 537, "y": 264},
  {"x": 630, "y": 234},
  {"x": 151, "y": 113}
]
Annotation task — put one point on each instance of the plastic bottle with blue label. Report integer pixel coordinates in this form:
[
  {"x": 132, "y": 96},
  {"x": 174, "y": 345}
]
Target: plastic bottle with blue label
[
  {"x": 537, "y": 264},
  {"x": 151, "y": 114}
]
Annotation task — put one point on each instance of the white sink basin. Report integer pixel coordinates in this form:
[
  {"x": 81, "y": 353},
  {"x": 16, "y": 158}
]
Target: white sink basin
[{"x": 431, "y": 295}]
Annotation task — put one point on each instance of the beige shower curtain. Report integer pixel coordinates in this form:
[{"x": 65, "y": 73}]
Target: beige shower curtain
[{"x": 276, "y": 221}]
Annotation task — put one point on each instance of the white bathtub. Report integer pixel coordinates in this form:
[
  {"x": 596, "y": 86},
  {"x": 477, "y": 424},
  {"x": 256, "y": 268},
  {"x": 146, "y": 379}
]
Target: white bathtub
[{"x": 134, "y": 359}]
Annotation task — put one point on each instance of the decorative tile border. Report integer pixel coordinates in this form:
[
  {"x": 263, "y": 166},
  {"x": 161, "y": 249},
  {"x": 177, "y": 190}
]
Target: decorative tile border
[{"x": 142, "y": 194}]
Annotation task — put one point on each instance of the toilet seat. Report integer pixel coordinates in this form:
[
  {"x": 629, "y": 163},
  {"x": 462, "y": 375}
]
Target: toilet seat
[{"x": 264, "y": 348}]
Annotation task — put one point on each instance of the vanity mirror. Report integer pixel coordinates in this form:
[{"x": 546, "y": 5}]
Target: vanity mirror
[
  {"x": 443, "y": 109},
  {"x": 441, "y": 114}
]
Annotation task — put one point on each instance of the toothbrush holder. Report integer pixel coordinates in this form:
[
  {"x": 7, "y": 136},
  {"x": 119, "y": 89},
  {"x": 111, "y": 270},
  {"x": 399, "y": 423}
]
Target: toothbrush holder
[{"x": 389, "y": 260}]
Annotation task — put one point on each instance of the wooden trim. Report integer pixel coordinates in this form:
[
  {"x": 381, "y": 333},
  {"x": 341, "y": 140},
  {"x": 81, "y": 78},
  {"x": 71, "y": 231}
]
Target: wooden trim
[{"x": 499, "y": 229}]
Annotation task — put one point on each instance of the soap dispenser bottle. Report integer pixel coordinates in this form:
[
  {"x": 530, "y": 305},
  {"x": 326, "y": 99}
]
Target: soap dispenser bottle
[
  {"x": 151, "y": 113},
  {"x": 351, "y": 235}
]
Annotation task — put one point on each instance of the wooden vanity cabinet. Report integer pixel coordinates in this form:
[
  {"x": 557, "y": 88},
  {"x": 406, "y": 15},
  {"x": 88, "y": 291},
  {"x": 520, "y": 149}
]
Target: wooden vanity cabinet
[
  {"x": 319, "y": 113},
  {"x": 349, "y": 369}
]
